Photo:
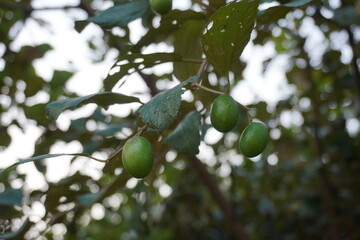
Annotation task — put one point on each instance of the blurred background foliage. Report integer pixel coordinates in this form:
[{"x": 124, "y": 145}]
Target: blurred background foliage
[{"x": 304, "y": 186}]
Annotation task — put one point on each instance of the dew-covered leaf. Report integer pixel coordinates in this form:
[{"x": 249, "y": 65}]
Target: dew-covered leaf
[
  {"x": 186, "y": 136},
  {"x": 160, "y": 112},
  {"x": 228, "y": 32},
  {"x": 103, "y": 99},
  {"x": 126, "y": 65}
]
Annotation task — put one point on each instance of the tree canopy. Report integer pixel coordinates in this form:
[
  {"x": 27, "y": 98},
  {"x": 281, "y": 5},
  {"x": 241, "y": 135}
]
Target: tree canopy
[{"x": 303, "y": 185}]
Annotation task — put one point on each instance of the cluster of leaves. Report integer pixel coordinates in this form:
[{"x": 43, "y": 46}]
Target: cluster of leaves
[{"x": 296, "y": 189}]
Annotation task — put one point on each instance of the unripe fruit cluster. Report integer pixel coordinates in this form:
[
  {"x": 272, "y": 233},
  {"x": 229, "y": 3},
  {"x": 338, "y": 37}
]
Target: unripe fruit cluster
[
  {"x": 224, "y": 116},
  {"x": 137, "y": 155}
]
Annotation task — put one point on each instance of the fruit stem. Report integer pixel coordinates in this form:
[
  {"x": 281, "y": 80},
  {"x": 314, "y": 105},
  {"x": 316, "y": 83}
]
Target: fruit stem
[
  {"x": 141, "y": 130},
  {"x": 228, "y": 87},
  {"x": 202, "y": 67},
  {"x": 244, "y": 107},
  {"x": 114, "y": 154},
  {"x": 197, "y": 85},
  {"x": 138, "y": 133}
]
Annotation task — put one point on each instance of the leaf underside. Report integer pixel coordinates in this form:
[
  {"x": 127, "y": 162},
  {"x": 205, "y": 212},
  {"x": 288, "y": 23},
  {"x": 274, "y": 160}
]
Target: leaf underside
[{"x": 103, "y": 99}]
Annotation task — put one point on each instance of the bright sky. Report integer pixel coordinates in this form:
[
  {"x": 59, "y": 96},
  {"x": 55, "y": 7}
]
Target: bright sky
[{"x": 71, "y": 52}]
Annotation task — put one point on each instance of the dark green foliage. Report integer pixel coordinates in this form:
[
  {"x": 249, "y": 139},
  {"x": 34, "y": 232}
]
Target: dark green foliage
[
  {"x": 228, "y": 32},
  {"x": 186, "y": 136}
]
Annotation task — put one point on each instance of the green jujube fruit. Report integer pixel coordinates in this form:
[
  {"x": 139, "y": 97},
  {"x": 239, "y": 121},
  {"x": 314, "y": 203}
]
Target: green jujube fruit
[
  {"x": 254, "y": 139},
  {"x": 161, "y": 6},
  {"x": 224, "y": 113},
  {"x": 137, "y": 157}
]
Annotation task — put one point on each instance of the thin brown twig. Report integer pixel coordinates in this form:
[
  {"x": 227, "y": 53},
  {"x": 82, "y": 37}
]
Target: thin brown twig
[
  {"x": 235, "y": 226},
  {"x": 190, "y": 60}
]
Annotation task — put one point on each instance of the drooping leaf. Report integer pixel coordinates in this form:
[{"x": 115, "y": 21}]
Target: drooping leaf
[
  {"x": 297, "y": 3},
  {"x": 104, "y": 99},
  {"x": 11, "y": 197},
  {"x": 88, "y": 199},
  {"x": 19, "y": 234},
  {"x": 186, "y": 136},
  {"x": 272, "y": 14},
  {"x": 276, "y": 13},
  {"x": 129, "y": 64},
  {"x": 160, "y": 112},
  {"x": 228, "y": 32},
  {"x": 121, "y": 15},
  {"x": 347, "y": 16},
  {"x": 169, "y": 23},
  {"x": 57, "y": 83},
  {"x": 91, "y": 198},
  {"x": 217, "y": 3},
  {"x": 41, "y": 157},
  {"x": 187, "y": 43}
]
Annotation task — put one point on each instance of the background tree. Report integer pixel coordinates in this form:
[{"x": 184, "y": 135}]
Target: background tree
[{"x": 303, "y": 186}]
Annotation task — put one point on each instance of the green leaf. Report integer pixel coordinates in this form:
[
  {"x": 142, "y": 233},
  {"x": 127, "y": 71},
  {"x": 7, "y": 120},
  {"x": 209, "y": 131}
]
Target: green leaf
[
  {"x": 88, "y": 199},
  {"x": 169, "y": 23},
  {"x": 121, "y": 15},
  {"x": 228, "y": 32},
  {"x": 19, "y": 234},
  {"x": 104, "y": 99},
  {"x": 5, "y": 139},
  {"x": 217, "y": 3},
  {"x": 187, "y": 43},
  {"x": 126, "y": 65},
  {"x": 11, "y": 197},
  {"x": 91, "y": 198},
  {"x": 276, "y": 13},
  {"x": 160, "y": 112},
  {"x": 41, "y": 157},
  {"x": 297, "y": 3},
  {"x": 346, "y": 16},
  {"x": 186, "y": 136}
]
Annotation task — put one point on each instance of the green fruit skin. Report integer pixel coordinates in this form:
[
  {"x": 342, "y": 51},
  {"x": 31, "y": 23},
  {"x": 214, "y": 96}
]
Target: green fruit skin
[
  {"x": 224, "y": 113},
  {"x": 254, "y": 139},
  {"x": 137, "y": 157},
  {"x": 161, "y": 6}
]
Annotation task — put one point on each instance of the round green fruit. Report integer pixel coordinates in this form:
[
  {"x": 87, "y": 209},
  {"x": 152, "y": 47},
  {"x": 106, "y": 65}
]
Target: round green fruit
[
  {"x": 254, "y": 139},
  {"x": 224, "y": 113},
  {"x": 137, "y": 157},
  {"x": 161, "y": 6}
]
